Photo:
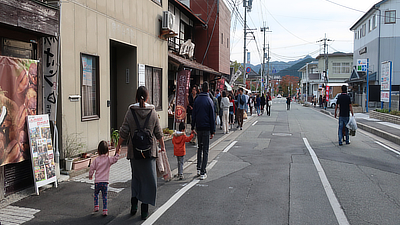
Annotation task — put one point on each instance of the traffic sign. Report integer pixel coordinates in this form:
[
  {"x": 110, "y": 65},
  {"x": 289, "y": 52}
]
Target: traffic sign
[
  {"x": 248, "y": 70},
  {"x": 362, "y": 65}
]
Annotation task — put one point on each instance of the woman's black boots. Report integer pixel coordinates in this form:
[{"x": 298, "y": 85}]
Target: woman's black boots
[
  {"x": 144, "y": 211},
  {"x": 134, "y": 205}
]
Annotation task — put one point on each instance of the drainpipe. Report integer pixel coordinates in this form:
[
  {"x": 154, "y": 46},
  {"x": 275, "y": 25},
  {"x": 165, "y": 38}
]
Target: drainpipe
[{"x": 379, "y": 49}]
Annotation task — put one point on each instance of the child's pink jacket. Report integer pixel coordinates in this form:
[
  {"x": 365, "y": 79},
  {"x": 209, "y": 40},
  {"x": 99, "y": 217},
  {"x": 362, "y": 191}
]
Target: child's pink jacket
[{"x": 102, "y": 166}]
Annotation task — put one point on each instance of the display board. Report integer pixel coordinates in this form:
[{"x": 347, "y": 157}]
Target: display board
[{"x": 42, "y": 153}]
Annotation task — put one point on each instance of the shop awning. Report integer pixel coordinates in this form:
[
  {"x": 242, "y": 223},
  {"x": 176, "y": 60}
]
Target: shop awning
[{"x": 191, "y": 64}]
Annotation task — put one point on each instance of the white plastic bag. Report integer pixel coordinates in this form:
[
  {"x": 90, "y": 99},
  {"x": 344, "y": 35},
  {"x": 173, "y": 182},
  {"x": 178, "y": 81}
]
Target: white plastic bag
[
  {"x": 218, "y": 120},
  {"x": 352, "y": 124}
]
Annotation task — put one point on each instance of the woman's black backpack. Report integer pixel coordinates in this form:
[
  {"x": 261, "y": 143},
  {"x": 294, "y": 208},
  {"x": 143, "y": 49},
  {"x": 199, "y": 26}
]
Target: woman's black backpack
[{"x": 142, "y": 139}]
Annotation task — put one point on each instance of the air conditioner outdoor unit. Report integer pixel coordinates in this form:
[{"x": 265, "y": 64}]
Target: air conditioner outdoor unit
[{"x": 168, "y": 20}]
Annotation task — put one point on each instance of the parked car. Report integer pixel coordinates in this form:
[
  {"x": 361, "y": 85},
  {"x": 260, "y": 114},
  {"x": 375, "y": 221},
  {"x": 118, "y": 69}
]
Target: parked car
[
  {"x": 279, "y": 96},
  {"x": 332, "y": 102}
]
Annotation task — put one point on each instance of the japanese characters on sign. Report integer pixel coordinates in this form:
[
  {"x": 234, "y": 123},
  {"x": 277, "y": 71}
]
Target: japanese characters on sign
[
  {"x": 386, "y": 76},
  {"x": 50, "y": 76},
  {"x": 182, "y": 92},
  {"x": 42, "y": 153}
]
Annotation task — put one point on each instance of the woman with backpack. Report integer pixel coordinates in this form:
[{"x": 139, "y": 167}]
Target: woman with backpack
[{"x": 141, "y": 123}]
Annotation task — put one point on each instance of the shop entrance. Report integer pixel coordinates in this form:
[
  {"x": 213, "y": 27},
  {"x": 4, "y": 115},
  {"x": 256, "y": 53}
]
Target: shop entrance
[{"x": 123, "y": 81}]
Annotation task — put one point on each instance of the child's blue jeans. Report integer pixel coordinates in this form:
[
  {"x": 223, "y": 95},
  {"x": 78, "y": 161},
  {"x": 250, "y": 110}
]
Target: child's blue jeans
[{"x": 101, "y": 186}]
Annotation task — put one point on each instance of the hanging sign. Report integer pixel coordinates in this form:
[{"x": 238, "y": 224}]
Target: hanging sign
[
  {"x": 182, "y": 91},
  {"x": 142, "y": 75},
  {"x": 18, "y": 98},
  {"x": 42, "y": 153},
  {"x": 362, "y": 65}
]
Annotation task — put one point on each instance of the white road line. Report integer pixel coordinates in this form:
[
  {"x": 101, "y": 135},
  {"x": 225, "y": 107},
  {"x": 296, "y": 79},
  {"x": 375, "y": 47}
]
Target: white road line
[
  {"x": 337, "y": 209},
  {"x": 229, "y": 146},
  {"x": 255, "y": 123},
  {"x": 160, "y": 211},
  {"x": 387, "y": 147},
  {"x": 397, "y": 126}
]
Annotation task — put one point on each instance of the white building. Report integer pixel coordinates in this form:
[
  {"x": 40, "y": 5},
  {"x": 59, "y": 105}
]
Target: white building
[{"x": 376, "y": 35}]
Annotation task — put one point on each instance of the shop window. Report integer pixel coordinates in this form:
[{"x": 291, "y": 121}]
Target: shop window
[
  {"x": 90, "y": 87},
  {"x": 390, "y": 16},
  {"x": 153, "y": 85}
]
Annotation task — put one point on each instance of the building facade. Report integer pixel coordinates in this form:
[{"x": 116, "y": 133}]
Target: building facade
[
  {"x": 109, "y": 49},
  {"x": 376, "y": 35}
]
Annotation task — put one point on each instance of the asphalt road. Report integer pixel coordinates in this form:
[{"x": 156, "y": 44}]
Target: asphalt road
[{"x": 264, "y": 174}]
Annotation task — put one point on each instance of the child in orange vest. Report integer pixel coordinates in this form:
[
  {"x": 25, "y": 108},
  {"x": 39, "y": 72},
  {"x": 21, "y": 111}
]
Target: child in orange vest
[{"x": 178, "y": 139}]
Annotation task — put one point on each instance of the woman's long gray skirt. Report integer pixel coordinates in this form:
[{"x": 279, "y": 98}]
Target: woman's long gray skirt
[{"x": 144, "y": 180}]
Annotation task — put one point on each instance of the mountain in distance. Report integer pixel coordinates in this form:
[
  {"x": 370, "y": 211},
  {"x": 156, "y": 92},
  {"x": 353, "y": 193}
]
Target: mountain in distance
[
  {"x": 280, "y": 65},
  {"x": 294, "y": 69}
]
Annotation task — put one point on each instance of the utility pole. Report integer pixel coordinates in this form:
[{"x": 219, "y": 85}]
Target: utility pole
[
  {"x": 264, "y": 29},
  {"x": 247, "y": 4},
  {"x": 326, "y": 60}
]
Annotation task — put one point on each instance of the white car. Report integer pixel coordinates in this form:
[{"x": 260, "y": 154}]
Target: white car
[
  {"x": 279, "y": 96},
  {"x": 332, "y": 102}
]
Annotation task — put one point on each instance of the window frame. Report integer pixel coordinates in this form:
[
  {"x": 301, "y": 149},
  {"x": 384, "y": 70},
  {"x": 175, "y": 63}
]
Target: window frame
[
  {"x": 97, "y": 81},
  {"x": 158, "y": 2},
  {"x": 153, "y": 84},
  {"x": 388, "y": 19}
]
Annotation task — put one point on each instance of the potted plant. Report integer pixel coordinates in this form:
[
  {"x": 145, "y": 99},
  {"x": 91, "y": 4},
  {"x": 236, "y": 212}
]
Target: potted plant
[
  {"x": 71, "y": 148},
  {"x": 114, "y": 138}
]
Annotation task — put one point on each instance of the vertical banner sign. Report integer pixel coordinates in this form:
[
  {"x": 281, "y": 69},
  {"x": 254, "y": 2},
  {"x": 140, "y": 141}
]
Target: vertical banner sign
[
  {"x": 182, "y": 92},
  {"x": 18, "y": 99},
  {"x": 221, "y": 84},
  {"x": 42, "y": 153},
  {"x": 142, "y": 75},
  {"x": 50, "y": 76},
  {"x": 327, "y": 93},
  {"x": 248, "y": 58},
  {"x": 386, "y": 75}
]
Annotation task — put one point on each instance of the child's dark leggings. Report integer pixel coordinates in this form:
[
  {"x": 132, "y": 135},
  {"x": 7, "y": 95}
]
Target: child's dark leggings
[{"x": 101, "y": 186}]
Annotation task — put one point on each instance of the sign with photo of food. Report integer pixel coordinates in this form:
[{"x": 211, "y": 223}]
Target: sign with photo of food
[
  {"x": 42, "y": 152},
  {"x": 18, "y": 99}
]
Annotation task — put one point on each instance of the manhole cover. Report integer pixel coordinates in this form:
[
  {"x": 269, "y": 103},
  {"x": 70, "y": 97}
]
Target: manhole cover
[{"x": 281, "y": 134}]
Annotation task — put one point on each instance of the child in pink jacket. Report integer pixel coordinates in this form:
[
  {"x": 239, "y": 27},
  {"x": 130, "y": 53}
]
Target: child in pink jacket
[{"x": 102, "y": 166}]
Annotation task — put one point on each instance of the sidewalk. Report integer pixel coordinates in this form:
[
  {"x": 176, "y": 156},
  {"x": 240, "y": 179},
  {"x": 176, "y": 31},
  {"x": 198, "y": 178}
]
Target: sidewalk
[{"x": 120, "y": 175}]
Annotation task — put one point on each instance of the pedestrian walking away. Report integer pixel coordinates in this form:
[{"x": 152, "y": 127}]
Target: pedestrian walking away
[
  {"x": 269, "y": 103},
  {"x": 191, "y": 99},
  {"x": 204, "y": 122},
  {"x": 288, "y": 100},
  {"x": 262, "y": 103},
  {"x": 258, "y": 104},
  {"x": 225, "y": 109},
  {"x": 241, "y": 103},
  {"x": 179, "y": 139},
  {"x": 344, "y": 104},
  {"x": 144, "y": 176},
  {"x": 100, "y": 167},
  {"x": 231, "y": 111}
]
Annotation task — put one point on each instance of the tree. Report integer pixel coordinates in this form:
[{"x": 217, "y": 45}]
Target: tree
[{"x": 289, "y": 85}]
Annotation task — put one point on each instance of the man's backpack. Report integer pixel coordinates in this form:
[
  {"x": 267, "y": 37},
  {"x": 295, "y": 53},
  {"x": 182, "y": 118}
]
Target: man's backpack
[{"x": 142, "y": 139}]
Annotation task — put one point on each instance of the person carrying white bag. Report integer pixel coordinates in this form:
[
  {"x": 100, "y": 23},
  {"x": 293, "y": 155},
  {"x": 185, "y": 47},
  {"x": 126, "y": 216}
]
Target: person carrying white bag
[{"x": 344, "y": 104}]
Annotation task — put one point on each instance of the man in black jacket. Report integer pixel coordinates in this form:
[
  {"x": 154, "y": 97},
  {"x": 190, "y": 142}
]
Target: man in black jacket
[{"x": 203, "y": 119}]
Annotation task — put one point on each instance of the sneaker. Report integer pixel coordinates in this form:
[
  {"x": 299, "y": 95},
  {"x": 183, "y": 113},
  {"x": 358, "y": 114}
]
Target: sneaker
[
  {"x": 340, "y": 144},
  {"x": 181, "y": 177},
  {"x": 105, "y": 213},
  {"x": 237, "y": 127},
  {"x": 241, "y": 128},
  {"x": 198, "y": 173},
  {"x": 203, "y": 177},
  {"x": 96, "y": 208}
]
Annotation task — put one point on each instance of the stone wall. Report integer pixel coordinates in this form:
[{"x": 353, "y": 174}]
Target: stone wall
[{"x": 384, "y": 117}]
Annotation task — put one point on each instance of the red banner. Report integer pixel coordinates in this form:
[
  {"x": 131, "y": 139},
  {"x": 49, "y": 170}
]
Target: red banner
[
  {"x": 18, "y": 99},
  {"x": 327, "y": 93},
  {"x": 182, "y": 92},
  {"x": 221, "y": 84}
]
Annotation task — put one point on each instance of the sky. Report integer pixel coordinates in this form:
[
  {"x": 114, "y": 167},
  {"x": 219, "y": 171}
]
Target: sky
[{"x": 296, "y": 26}]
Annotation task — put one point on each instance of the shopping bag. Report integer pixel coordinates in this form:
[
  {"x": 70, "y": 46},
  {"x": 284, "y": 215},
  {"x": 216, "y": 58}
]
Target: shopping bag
[
  {"x": 352, "y": 124},
  {"x": 269, "y": 103},
  {"x": 244, "y": 115},
  {"x": 162, "y": 165},
  {"x": 218, "y": 120}
]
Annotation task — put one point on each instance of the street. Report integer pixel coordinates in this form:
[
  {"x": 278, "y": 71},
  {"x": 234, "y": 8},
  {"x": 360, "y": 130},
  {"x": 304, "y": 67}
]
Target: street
[{"x": 265, "y": 174}]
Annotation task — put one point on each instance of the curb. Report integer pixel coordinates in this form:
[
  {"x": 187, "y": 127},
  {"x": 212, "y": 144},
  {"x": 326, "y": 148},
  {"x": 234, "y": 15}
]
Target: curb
[{"x": 380, "y": 133}]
